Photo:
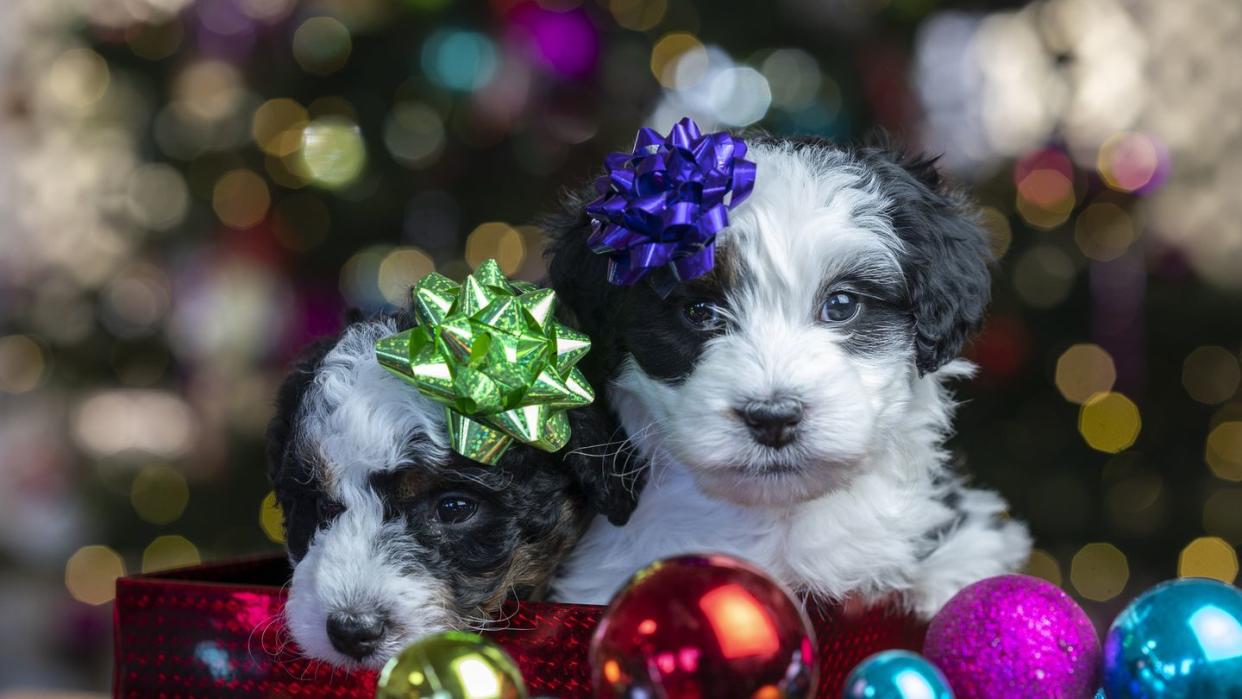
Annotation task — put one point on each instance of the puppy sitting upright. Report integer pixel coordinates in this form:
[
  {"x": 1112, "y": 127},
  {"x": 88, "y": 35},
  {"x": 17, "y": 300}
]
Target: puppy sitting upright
[
  {"x": 787, "y": 392},
  {"x": 394, "y": 533}
]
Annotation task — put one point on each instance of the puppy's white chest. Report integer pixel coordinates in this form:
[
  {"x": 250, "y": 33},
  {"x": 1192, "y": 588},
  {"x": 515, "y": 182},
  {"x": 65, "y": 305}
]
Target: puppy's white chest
[
  {"x": 673, "y": 517},
  {"x": 833, "y": 546}
]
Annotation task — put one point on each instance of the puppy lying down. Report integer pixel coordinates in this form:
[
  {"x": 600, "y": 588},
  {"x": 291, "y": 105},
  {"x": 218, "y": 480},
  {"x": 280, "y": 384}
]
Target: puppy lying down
[
  {"x": 391, "y": 534},
  {"x": 791, "y": 404}
]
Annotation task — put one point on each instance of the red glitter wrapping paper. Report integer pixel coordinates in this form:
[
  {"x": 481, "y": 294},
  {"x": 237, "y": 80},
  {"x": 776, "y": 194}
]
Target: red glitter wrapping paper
[{"x": 216, "y": 631}]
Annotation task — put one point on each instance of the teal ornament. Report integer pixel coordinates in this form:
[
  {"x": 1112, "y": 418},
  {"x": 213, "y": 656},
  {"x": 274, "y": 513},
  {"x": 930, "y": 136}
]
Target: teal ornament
[
  {"x": 1178, "y": 640},
  {"x": 896, "y": 674}
]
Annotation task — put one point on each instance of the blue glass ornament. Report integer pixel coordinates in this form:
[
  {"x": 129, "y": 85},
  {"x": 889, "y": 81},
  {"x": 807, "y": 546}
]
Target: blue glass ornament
[
  {"x": 1180, "y": 639},
  {"x": 896, "y": 674}
]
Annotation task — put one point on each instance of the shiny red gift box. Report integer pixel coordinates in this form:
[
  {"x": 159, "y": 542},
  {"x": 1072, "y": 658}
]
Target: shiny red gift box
[{"x": 216, "y": 631}]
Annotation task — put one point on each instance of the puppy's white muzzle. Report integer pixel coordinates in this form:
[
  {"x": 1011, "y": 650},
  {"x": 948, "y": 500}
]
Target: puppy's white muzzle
[{"x": 360, "y": 594}]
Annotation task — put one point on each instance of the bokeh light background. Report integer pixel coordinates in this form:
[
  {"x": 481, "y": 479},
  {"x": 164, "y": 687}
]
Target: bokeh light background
[{"x": 193, "y": 189}]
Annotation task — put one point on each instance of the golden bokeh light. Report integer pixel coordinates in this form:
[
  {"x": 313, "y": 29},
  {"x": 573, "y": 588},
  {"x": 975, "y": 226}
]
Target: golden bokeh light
[
  {"x": 159, "y": 494},
  {"x": 91, "y": 573},
  {"x": 272, "y": 518},
  {"x": 22, "y": 364},
  {"x": 1044, "y": 565},
  {"x": 1104, "y": 231},
  {"x": 277, "y": 126},
  {"x": 1208, "y": 557},
  {"x": 679, "y": 60},
  {"x": 400, "y": 270},
  {"x": 169, "y": 551},
  {"x": 1223, "y": 452},
  {"x": 1099, "y": 571},
  {"x": 1084, "y": 370},
  {"x": 1109, "y": 422},
  {"x": 639, "y": 15},
  {"x": 499, "y": 241},
  {"x": 1211, "y": 374},
  {"x": 241, "y": 199}
]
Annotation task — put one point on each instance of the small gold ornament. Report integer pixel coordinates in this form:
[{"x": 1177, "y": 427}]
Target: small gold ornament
[{"x": 451, "y": 665}]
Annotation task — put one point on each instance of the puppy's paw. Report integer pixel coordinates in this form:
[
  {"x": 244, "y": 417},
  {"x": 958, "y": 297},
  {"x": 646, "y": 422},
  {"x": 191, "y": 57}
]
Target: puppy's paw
[{"x": 986, "y": 543}]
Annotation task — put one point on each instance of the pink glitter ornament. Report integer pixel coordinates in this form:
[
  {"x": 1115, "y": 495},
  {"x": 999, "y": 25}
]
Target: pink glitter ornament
[{"x": 1015, "y": 636}]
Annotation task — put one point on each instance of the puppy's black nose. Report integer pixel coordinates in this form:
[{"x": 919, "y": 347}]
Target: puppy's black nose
[
  {"x": 355, "y": 635},
  {"x": 772, "y": 422}
]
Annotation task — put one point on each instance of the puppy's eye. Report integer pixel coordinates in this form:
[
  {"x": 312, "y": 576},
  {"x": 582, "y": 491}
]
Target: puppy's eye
[
  {"x": 703, "y": 315},
  {"x": 840, "y": 307},
  {"x": 455, "y": 509},
  {"x": 329, "y": 509}
]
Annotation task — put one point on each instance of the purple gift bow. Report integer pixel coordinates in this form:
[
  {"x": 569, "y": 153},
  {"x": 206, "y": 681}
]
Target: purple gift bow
[{"x": 663, "y": 204}]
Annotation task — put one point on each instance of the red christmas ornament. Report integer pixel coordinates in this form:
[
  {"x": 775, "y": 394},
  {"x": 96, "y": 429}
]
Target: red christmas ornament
[{"x": 694, "y": 627}]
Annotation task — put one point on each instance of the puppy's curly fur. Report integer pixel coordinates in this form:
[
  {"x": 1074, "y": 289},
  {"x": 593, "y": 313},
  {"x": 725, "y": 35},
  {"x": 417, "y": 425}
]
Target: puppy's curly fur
[
  {"x": 844, "y": 290},
  {"x": 387, "y": 528}
]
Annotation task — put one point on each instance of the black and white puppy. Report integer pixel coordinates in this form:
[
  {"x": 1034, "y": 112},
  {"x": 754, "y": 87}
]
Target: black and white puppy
[
  {"x": 391, "y": 534},
  {"x": 791, "y": 403}
]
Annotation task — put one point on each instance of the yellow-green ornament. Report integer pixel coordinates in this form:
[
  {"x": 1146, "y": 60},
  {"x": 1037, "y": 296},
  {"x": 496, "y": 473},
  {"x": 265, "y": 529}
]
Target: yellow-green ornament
[
  {"x": 492, "y": 352},
  {"x": 451, "y": 665}
]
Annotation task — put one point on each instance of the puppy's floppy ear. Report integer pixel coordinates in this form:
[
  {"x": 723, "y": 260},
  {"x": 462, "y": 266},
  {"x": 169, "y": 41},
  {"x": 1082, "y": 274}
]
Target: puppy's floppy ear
[
  {"x": 281, "y": 428},
  {"x": 946, "y": 258},
  {"x": 611, "y": 488},
  {"x": 580, "y": 279}
]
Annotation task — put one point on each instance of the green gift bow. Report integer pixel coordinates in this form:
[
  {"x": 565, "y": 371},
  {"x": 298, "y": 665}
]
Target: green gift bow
[{"x": 491, "y": 351}]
